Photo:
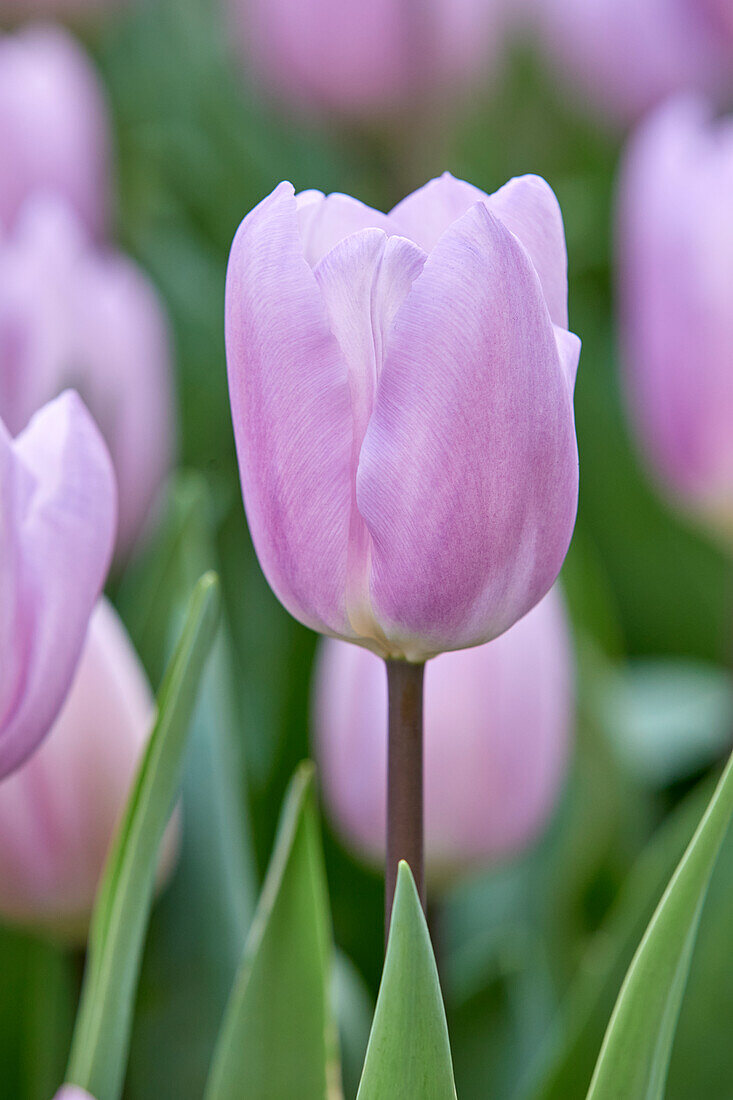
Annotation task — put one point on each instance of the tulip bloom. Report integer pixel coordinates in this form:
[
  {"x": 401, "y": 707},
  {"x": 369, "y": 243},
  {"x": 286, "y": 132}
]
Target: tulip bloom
[
  {"x": 498, "y": 720},
  {"x": 401, "y": 390},
  {"x": 355, "y": 58},
  {"x": 71, "y": 1092},
  {"x": 75, "y": 315},
  {"x": 628, "y": 55},
  {"x": 57, "y": 522},
  {"x": 676, "y": 273},
  {"x": 58, "y": 812},
  {"x": 54, "y": 127}
]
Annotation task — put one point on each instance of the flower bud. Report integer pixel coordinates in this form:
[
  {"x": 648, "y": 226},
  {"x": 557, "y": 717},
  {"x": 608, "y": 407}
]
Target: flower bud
[
  {"x": 625, "y": 56},
  {"x": 676, "y": 272},
  {"x": 401, "y": 390},
  {"x": 57, "y": 524},
  {"x": 354, "y": 58},
  {"x": 498, "y": 720},
  {"x": 54, "y": 128},
  {"x": 58, "y": 813},
  {"x": 72, "y": 314}
]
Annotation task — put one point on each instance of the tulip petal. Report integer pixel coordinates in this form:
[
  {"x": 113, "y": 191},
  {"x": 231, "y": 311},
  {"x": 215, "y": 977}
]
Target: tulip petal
[
  {"x": 468, "y": 473},
  {"x": 526, "y": 205},
  {"x": 364, "y": 280},
  {"x": 326, "y": 219},
  {"x": 64, "y": 500},
  {"x": 291, "y": 408}
]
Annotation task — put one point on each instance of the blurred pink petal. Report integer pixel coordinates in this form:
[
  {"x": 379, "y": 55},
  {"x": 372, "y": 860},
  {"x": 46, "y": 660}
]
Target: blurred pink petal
[
  {"x": 75, "y": 315},
  {"x": 54, "y": 127},
  {"x": 625, "y": 56},
  {"x": 356, "y": 58},
  {"x": 58, "y": 813},
  {"x": 57, "y": 523},
  {"x": 675, "y": 252},
  {"x": 404, "y": 421},
  {"x": 498, "y": 721}
]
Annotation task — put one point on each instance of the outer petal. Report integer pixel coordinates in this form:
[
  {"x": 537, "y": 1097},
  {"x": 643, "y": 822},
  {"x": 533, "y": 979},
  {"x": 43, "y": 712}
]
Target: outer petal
[
  {"x": 54, "y": 129},
  {"x": 326, "y": 219},
  {"x": 468, "y": 475},
  {"x": 291, "y": 408},
  {"x": 526, "y": 205},
  {"x": 59, "y": 536}
]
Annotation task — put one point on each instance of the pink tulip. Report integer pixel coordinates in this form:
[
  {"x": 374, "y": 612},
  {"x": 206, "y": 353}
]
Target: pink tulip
[
  {"x": 676, "y": 279},
  {"x": 401, "y": 390},
  {"x": 71, "y": 1092},
  {"x": 498, "y": 720},
  {"x": 721, "y": 14},
  {"x": 625, "y": 56},
  {"x": 71, "y": 314},
  {"x": 58, "y": 813},
  {"x": 356, "y": 58},
  {"x": 57, "y": 522},
  {"x": 54, "y": 128}
]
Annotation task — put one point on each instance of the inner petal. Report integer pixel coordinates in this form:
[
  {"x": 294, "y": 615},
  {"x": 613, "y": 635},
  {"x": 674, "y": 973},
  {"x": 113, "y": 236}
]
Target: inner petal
[
  {"x": 325, "y": 220},
  {"x": 364, "y": 280}
]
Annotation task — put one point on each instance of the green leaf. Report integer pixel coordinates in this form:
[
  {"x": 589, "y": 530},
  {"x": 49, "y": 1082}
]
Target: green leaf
[
  {"x": 101, "y": 1034},
  {"x": 198, "y": 929},
  {"x": 409, "y": 1050},
  {"x": 634, "y": 1058},
  {"x": 277, "y": 1039},
  {"x": 565, "y": 1061}
]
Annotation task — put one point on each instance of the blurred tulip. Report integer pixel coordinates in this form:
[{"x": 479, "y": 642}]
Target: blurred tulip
[
  {"x": 57, "y": 521},
  {"x": 71, "y": 1092},
  {"x": 58, "y": 813},
  {"x": 71, "y": 314},
  {"x": 721, "y": 13},
  {"x": 54, "y": 128},
  {"x": 628, "y": 55},
  {"x": 355, "y": 58},
  {"x": 498, "y": 720},
  {"x": 676, "y": 279},
  {"x": 402, "y": 406}
]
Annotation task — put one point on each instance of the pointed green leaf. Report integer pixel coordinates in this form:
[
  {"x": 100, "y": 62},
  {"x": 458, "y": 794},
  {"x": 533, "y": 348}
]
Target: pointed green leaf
[
  {"x": 277, "y": 1039},
  {"x": 409, "y": 1050},
  {"x": 101, "y": 1034},
  {"x": 636, "y": 1050},
  {"x": 198, "y": 930}
]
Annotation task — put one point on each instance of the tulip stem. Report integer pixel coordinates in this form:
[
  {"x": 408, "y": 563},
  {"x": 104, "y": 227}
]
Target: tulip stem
[{"x": 404, "y": 777}]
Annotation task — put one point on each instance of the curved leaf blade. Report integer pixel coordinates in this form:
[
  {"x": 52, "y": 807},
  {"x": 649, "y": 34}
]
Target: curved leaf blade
[
  {"x": 636, "y": 1050},
  {"x": 409, "y": 1050},
  {"x": 102, "y": 1031},
  {"x": 277, "y": 1039}
]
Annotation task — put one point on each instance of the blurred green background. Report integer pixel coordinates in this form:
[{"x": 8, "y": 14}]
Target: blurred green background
[{"x": 531, "y": 954}]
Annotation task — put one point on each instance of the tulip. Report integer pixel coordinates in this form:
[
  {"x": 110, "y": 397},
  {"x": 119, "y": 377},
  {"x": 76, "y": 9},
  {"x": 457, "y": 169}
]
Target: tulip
[
  {"x": 498, "y": 720},
  {"x": 72, "y": 314},
  {"x": 355, "y": 58},
  {"x": 58, "y": 813},
  {"x": 401, "y": 390},
  {"x": 57, "y": 521},
  {"x": 676, "y": 273},
  {"x": 71, "y": 1092},
  {"x": 54, "y": 127},
  {"x": 626, "y": 56}
]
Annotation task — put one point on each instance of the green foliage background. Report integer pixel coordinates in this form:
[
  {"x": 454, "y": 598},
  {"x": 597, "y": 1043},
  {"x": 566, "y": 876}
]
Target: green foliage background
[{"x": 531, "y": 954}]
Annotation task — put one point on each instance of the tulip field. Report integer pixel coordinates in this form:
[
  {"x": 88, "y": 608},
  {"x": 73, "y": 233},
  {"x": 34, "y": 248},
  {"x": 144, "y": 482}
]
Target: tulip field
[{"x": 366, "y": 549}]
